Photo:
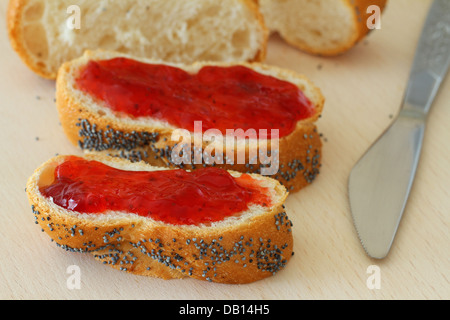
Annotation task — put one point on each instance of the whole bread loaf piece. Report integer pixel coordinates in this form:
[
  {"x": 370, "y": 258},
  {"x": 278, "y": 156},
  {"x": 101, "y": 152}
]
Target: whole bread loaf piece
[
  {"x": 90, "y": 124},
  {"x": 48, "y": 33},
  {"x": 249, "y": 246},
  {"x": 322, "y": 27}
]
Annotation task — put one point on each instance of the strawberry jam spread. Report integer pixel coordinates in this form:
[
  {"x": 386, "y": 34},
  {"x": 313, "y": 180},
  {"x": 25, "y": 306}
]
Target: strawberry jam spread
[
  {"x": 222, "y": 98},
  {"x": 172, "y": 196}
]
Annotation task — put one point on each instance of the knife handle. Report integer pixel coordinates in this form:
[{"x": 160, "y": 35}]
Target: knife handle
[{"x": 430, "y": 63}]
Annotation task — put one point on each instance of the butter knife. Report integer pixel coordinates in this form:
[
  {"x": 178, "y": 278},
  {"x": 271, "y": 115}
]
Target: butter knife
[{"x": 381, "y": 181}]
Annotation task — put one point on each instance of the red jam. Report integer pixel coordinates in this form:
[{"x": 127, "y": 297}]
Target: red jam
[
  {"x": 173, "y": 196},
  {"x": 221, "y": 97}
]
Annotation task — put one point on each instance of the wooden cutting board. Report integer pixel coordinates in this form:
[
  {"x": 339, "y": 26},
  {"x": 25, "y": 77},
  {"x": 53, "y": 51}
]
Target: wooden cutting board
[{"x": 363, "y": 88}]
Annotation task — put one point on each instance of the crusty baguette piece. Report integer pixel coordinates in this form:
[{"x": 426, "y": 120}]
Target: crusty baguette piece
[
  {"x": 95, "y": 128},
  {"x": 179, "y": 31},
  {"x": 321, "y": 27},
  {"x": 245, "y": 248}
]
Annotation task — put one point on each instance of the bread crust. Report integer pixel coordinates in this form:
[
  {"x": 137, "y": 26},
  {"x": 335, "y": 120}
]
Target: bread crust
[
  {"x": 300, "y": 152},
  {"x": 15, "y": 25},
  {"x": 249, "y": 249},
  {"x": 16, "y": 36},
  {"x": 361, "y": 16},
  {"x": 359, "y": 21}
]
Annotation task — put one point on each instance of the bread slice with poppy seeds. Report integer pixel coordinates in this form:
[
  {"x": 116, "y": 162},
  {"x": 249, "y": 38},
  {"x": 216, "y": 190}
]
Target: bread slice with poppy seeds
[
  {"x": 90, "y": 122},
  {"x": 244, "y": 247}
]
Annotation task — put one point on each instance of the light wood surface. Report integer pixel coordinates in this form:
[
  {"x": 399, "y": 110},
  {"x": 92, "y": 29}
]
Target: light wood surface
[{"x": 363, "y": 88}]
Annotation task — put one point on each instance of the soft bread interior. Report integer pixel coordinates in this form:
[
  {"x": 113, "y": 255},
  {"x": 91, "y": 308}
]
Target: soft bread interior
[
  {"x": 172, "y": 30},
  {"x": 47, "y": 175},
  {"x": 320, "y": 24},
  {"x": 44, "y": 176}
]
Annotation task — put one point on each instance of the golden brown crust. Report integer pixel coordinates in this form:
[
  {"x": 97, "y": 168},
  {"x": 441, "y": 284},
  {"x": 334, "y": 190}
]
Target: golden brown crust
[
  {"x": 360, "y": 16},
  {"x": 16, "y": 35},
  {"x": 299, "y": 153},
  {"x": 243, "y": 252}
]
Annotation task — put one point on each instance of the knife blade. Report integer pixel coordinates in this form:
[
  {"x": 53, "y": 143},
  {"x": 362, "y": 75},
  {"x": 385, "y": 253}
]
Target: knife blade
[{"x": 380, "y": 183}]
